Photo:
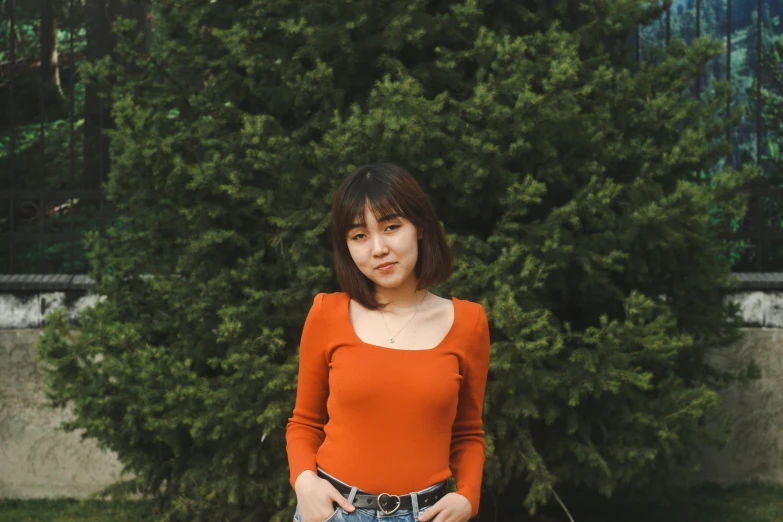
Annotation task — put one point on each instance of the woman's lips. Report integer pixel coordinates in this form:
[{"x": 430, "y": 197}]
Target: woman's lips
[{"x": 387, "y": 267}]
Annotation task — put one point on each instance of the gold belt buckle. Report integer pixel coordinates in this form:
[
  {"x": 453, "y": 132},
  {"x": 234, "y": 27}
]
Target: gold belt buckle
[{"x": 380, "y": 505}]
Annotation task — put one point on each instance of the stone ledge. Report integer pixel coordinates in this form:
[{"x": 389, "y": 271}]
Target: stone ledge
[
  {"x": 759, "y": 280},
  {"x": 48, "y": 282},
  {"x": 44, "y": 282}
]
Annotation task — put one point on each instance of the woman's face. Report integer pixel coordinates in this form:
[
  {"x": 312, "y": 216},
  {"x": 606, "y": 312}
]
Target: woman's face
[{"x": 392, "y": 240}]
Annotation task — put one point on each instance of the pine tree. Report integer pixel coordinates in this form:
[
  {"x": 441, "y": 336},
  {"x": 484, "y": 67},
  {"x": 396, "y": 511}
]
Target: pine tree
[{"x": 562, "y": 171}]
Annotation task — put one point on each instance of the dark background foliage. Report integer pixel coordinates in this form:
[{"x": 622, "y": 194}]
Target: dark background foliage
[{"x": 569, "y": 178}]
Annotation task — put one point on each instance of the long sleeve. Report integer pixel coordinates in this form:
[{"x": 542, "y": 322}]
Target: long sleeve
[
  {"x": 467, "y": 440},
  {"x": 305, "y": 429}
]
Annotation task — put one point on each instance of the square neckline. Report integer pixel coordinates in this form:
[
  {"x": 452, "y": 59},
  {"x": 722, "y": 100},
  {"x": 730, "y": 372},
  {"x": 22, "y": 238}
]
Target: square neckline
[{"x": 356, "y": 337}]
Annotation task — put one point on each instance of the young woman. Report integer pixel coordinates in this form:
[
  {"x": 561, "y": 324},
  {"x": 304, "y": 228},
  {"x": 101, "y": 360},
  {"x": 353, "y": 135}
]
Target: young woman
[{"x": 391, "y": 377}]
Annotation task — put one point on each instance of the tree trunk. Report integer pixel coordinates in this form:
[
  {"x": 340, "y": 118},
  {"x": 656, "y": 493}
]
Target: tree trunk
[
  {"x": 96, "y": 147},
  {"x": 50, "y": 71}
]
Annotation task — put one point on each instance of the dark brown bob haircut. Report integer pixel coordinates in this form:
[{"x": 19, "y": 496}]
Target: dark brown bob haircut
[{"x": 387, "y": 189}]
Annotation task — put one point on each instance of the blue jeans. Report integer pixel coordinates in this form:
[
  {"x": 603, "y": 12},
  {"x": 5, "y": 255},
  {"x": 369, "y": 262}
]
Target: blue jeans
[{"x": 370, "y": 515}]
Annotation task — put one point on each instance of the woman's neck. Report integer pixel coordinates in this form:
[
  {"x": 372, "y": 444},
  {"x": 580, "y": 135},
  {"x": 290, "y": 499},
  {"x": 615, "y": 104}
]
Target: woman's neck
[{"x": 400, "y": 300}]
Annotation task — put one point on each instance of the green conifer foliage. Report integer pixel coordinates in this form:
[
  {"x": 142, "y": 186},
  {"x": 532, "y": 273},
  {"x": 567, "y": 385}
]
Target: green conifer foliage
[{"x": 562, "y": 171}]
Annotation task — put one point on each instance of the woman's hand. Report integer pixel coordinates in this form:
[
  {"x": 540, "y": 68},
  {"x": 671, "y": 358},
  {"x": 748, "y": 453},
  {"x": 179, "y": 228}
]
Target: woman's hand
[
  {"x": 315, "y": 496},
  {"x": 453, "y": 507}
]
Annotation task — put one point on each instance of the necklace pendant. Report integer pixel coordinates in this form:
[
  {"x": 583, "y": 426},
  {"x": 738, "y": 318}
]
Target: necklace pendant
[{"x": 391, "y": 340}]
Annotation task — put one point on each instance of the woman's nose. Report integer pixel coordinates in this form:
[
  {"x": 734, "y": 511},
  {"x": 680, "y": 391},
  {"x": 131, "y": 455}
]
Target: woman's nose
[{"x": 379, "y": 245}]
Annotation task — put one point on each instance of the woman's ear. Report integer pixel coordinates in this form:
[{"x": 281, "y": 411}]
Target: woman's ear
[{"x": 420, "y": 232}]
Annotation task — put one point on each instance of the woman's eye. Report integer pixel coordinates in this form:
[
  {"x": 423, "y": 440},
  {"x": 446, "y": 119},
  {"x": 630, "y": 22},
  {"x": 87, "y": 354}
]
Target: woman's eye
[{"x": 356, "y": 237}]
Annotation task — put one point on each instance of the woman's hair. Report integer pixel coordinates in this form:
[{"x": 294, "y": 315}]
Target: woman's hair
[{"x": 387, "y": 189}]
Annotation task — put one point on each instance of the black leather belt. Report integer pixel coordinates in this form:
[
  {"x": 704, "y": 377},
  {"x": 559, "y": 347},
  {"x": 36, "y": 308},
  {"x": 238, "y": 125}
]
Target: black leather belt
[{"x": 384, "y": 501}]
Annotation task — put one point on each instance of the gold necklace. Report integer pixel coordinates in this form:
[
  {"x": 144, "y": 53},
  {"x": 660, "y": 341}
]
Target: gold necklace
[{"x": 391, "y": 339}]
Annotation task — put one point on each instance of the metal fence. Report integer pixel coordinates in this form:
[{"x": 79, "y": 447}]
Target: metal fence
[
  {"x": 54, "y": 156},
  {"x": 49, "y": 194},
  {"x": 747, "y": 28}
]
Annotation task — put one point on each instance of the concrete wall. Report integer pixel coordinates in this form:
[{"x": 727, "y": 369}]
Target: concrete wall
[
  {"x": 37, "y": 460},
  {"x": 755, "y": 408}
]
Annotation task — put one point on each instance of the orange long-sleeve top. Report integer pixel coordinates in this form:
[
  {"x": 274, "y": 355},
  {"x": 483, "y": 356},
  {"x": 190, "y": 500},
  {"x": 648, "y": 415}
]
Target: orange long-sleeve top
[{"x": 386, "y": 419}]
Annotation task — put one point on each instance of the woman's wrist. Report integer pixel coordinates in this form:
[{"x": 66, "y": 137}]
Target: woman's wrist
[{"x": 303, "y": 477}]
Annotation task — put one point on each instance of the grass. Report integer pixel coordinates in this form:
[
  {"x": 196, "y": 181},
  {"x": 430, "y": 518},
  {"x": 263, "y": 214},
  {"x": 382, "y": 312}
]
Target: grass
[
  {"x": 751, "y": 503},
  {"x": 706, "y": 503},
  {"x": 69, "y": 510}
]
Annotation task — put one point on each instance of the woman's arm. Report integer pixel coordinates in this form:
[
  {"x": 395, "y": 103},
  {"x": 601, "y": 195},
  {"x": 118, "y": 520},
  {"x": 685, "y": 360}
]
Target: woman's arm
[
  {"x": 467, "y": 437},
  {"x": 305, "y": 429}
]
